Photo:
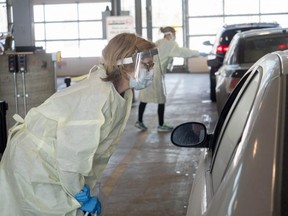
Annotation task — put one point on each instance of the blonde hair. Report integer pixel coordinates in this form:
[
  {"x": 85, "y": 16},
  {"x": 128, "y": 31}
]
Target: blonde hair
[{"x": 121, "y": 46}]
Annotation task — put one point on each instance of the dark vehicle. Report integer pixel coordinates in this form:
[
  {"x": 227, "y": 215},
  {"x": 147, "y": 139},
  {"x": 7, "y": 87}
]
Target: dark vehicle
[
  {"x": 245, "y": 49},
  {"x": 243, "y": 166},
  {"x": 221, "y": 45}
]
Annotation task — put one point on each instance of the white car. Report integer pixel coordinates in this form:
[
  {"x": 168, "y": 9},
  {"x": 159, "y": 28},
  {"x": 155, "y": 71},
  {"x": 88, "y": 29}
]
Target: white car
[{"x": 243, "y": 169}]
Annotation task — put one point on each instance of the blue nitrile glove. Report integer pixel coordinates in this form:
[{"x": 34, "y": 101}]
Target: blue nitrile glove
[
  {"x": 203, "y": 54},
  {"x": 84, "y": 195},
  {"x": 92, "y": 206}
]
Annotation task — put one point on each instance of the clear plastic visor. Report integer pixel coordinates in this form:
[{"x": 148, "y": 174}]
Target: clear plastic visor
[{"x": 143, "y": 62}]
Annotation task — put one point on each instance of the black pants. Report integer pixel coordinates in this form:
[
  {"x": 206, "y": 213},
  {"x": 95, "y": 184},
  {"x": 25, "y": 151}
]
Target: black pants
[{"x": 161, "y": 109}]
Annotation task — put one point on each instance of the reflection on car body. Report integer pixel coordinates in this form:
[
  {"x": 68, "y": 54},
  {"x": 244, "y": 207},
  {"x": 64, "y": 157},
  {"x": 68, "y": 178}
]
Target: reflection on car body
[
  {"x": 245, "y": 49},
  {"x": 243, "y": 168}
]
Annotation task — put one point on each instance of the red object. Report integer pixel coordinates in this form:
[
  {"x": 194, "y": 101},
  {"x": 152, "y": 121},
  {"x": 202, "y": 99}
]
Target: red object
[{"x": 222, "y": 48}]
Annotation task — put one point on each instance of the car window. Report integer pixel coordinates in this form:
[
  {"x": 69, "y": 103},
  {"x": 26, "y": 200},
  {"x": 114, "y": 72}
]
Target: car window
[
  {"x": 232, "y": 54},
  {"x": 254, "y": 48},
  {"x": 232, "y": 130},
  {"x": 227, "y": 36}
]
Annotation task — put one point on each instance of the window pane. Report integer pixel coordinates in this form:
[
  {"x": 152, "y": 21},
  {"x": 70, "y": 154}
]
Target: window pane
[
  {"x": 39, "y": 31},
  {"x": 61, "y": 12},
  {"x": 92, "y": 11},
  {"x": 67, "y": 48},
  {"x": 3, "y": 18},
  {"x": 170, "y": 16},
  {"x": 275, "y": 6},
  {"x": 129, "y": 5},
  {"x": 196, "y": 43},
  {"x": 240, "y": 7},
  {"x": 281, "y": 19},
  {"x": 241, "y": 19},
  {"x": 40, "y": 44},
  {"x": 199, "y": 25},
  {"x": 61, "y": 30},
  {"x": 204, "y": 7},
  {"x": 91, "y": 30},
  {"x": 90, "y": 48},
  {"x": 233, "y": 131},
  {"x": 38, "y": 11}
]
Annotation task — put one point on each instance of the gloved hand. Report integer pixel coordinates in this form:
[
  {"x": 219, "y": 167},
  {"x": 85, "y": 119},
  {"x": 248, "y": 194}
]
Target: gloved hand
[
  {"x": 84, "y": 195},
  {"x": 92, "y": 206},
  {"x": 203, "y": 54}
]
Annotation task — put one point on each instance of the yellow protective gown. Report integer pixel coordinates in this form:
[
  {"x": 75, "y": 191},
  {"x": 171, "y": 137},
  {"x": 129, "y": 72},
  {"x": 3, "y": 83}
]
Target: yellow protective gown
[
  {"x": 167, "y": 49},
  {"x": 62, "y": 144}
]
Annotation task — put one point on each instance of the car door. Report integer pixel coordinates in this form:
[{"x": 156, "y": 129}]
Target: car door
[{"x": 215, "y": 161}]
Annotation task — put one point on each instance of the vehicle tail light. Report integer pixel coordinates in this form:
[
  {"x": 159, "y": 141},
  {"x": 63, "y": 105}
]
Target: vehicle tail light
[
  {"x": 222, "y": 49},
  {"x": 282, "y": 46}
]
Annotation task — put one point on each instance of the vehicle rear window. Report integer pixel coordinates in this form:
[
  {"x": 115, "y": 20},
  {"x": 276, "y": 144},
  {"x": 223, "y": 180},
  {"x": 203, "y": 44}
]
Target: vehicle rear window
[
  {"x": 227, "y": 36},
  {"x": 255, "y": 48}
]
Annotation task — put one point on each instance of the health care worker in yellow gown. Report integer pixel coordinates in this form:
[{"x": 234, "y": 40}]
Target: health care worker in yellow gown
[
  {"x": 155, "y": 93},
  {"x": 57, "y": 153}
]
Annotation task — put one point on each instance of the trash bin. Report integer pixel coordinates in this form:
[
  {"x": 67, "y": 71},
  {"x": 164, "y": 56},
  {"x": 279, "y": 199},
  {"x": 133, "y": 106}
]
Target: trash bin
[{"x": 3, "y": 127}]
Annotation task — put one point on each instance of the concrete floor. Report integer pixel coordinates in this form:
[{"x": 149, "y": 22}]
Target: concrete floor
[{"x": 148, "y": 175}]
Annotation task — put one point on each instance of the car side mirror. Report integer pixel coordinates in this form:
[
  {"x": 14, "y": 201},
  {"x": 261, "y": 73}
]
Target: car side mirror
[
  {"x": 190, "y": 134},
  {"x": 207, "y": 43}
]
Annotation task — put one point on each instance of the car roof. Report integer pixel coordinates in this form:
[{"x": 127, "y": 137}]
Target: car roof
[
  {"x": 265, "y": 31},
  {"x": 251, "y": 25}
]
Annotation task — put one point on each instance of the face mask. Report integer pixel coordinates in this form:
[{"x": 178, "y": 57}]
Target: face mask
[{"x": 145, "y": 79}]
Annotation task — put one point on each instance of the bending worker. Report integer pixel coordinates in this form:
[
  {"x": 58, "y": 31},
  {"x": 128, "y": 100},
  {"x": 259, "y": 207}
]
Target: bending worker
[
  {"x": 55, "y": 156},
  {"x": 156, "y": 92}
]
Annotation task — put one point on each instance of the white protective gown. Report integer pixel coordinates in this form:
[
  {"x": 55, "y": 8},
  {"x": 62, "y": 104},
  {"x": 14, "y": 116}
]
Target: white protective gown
[
  {"x": 167, "y": 49},
  {"x": 62, "y": 144}
]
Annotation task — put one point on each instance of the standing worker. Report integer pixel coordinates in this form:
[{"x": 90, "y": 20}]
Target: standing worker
[
  {"x": 59, "y": 151},
  {"x": 155, "y": 93}
]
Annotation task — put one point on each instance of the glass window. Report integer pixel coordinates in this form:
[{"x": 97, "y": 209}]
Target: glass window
[
  {"x": 90, "y": 29},
  {"x": 233, "y": 129},
  {"x": 241, "y": 19},
  {"x": 199, "y": 25},
  {"x": 196, "y": 43},
  {"x": 39, "y": 31},
  {"x": 3, "y": 18},
  {"x": 61, "y": 31},
  {"x": 70, "y": 28},
  {"x": 61, "y": 12},
  {"x": 67, "y": 48},
  {"x": 275, "y": 6},
  {"x": 255, "y": 48},
  {"x": 38, "y": 11},
  {"x": 92, "y": 11},
  {"x": 281, "y": 19},
  {"x": 168, "y": 16},
  {"x": 89, "y": 48},
  {"x": 204, "y": 7},
  {"x": 240, "y": 7}
]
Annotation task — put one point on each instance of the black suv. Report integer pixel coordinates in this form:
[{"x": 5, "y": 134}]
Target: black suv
[{"x": 221, "y": 44}]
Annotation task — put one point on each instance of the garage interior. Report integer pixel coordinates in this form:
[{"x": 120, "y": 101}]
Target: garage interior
[{"x": 147, "y": 175}]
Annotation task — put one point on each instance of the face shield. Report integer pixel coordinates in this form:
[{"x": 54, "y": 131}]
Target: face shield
[{"x": 143, "y": 63}]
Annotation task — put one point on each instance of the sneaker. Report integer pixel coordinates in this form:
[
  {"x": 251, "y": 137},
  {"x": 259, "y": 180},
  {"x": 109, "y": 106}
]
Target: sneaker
[
  {"x": 141, "y": 125},
  {"x": 164, "y": 128}
]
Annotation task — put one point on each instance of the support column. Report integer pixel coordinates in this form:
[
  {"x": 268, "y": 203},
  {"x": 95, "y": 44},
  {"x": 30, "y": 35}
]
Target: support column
[{"x": 24, "y": 35}]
